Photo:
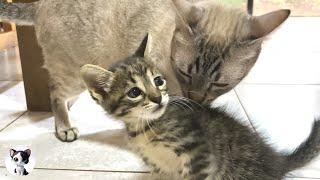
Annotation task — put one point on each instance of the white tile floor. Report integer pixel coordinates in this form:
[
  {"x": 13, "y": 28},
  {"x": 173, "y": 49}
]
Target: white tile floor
[{"x": 279, "y": 98}]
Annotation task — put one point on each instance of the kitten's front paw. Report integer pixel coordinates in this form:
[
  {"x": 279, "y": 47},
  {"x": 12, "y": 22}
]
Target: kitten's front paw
[{"x": 68, "y": 135}]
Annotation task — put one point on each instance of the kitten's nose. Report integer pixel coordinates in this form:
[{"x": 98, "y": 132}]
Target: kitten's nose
[{"x": 156, "y": 99}]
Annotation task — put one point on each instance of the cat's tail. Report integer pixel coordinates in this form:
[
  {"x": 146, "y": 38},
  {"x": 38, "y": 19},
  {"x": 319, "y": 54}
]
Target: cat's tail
[
  {"x": 306, "y": 152},
  {"x": 19, "y": 13}
]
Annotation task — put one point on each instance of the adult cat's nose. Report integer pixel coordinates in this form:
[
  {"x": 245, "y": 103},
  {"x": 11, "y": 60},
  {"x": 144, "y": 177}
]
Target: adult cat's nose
[
  {"x": 155, "y": 99},
  {"x": 196, "y": 96}
]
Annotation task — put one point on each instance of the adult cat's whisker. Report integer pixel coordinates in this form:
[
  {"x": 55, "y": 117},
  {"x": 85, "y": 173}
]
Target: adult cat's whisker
[{"x": 186, "y": 101}]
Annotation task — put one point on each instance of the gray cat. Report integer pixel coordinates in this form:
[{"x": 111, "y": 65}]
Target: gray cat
[
  {"x": 77, "y": 32},
  {"x": 200, "y": 144},
  {"x": 228, "y": 43}
]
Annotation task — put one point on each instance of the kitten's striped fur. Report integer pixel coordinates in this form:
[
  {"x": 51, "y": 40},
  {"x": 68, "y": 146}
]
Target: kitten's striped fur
[{"x": 184, "y": 138}]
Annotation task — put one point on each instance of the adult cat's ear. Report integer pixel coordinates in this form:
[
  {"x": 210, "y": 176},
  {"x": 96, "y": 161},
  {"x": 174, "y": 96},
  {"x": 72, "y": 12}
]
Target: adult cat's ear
[
  {"x": 190, "y": 13},
  {"x": 12, "y": 151},
  {"x": 142, "y": 51},
  {"x": 97, "y": 80},
  {"x": 261, "y": 26}
]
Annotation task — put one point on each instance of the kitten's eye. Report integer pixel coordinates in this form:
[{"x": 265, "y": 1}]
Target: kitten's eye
[
  {"x": 158, "y": 81},
  {"x": 134, "y": 92}
]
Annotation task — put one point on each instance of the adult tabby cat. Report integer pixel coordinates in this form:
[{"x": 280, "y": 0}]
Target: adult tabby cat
[
  {"x": 77, "y": 32},
  {"x": 201, "y": 144}
]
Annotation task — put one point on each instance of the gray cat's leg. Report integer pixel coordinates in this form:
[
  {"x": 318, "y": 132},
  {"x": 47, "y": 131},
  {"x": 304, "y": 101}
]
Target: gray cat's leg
[
  {"x": 64, "y": 130},
  {"x": 61, "y": 93},
  {"x": 64, "y": 85},
  {"x": 72, "y": 101}
]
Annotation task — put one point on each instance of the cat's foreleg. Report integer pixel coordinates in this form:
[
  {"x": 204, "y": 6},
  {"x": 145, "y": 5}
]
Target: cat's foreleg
[
  {"x": 72, "y": 101},
  {"x": 64, "y": 131}
]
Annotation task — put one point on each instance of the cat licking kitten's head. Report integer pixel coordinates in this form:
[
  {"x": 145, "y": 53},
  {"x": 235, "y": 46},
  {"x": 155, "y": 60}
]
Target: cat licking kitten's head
[
  {"x": 226, "y": 43},
  {"x": 131, "y": 89}
]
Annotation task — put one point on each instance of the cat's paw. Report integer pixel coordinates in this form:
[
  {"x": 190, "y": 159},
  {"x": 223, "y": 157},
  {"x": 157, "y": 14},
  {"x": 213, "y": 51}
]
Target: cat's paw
[{"x": 68, "y": 135}]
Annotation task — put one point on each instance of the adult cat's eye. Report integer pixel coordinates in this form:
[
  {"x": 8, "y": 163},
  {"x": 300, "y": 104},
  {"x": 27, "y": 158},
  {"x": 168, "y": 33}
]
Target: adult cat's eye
[
  {"x": 134, "y": 92},
  {"x": 158, "y": 81},
  {"x": 220, "y": 84}
]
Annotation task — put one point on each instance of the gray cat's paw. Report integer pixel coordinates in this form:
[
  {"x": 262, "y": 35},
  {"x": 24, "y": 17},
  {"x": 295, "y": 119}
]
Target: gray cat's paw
[{"x": 68, "y": 135}]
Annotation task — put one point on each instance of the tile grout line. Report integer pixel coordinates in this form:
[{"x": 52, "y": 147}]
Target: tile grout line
[
  {"x": 13, "y": 121},
  {"x": 142, "y": 172},
  {"x": 245, "y": 111},
  {"x": 280, "y": 84},
  {"x": 295, "y": 177},
  {"x": 15, "y": 80},
  {"x": 133, "y": 172},
  {"x": 90, "y": 170}
]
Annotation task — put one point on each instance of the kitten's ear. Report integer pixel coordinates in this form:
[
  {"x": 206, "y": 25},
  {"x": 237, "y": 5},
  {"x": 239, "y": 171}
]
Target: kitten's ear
[
  {"x": 188, "y": 11},
  {"x": 28, "y": 151},
  {"x": 141, "y": 51},
  {"x": 261, "y": 26},
  {"x": 12, "y": 151},
  {"x": 97, "y": 80}
]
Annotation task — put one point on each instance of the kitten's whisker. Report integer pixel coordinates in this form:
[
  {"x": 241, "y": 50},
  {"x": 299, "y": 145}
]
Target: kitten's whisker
[
  {"x": 143, "y": 127},
  {"x": 183, "y": 102},
  {"x": 148, "y": 107},
  {"x": 137, "y": 127},
  {"x": 191, "y": 102},
  {"x": 151, "y": 129},
  {"x": 144, "y": 132},
  {"x": 180, "y": 105}
]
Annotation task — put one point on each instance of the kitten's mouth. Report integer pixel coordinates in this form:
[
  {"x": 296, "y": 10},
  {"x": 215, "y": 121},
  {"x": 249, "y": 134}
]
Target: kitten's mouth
[{"x": 158, "y": 108}]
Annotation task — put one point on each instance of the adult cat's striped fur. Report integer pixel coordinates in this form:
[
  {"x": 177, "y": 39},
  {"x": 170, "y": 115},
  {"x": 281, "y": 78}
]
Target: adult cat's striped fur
[
  {"x": 77, "y": 32},
  {"x": 201, "y": 143},
  {"x": 228, "y": 43}
]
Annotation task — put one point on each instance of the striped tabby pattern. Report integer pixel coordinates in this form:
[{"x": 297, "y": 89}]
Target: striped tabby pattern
[
  {"x": 202, "y": 77},
  {"x": 227, "y": 45},
  {"x": 184, "y": 138}
]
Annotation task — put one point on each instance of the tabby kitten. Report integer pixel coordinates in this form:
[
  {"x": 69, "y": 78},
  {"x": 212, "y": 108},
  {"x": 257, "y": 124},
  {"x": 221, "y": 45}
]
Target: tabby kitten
[
  {"x": 200, "y": 144},
  {"x": 77, "y": 32}
]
